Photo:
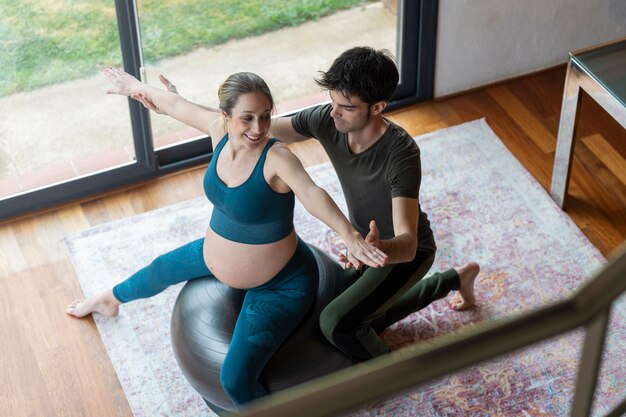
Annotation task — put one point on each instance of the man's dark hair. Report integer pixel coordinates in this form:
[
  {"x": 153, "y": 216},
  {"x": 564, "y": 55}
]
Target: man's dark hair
[{"x": 362, "y": 72}]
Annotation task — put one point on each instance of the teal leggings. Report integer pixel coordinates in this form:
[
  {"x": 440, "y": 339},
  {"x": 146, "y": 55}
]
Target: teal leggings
[
  {"x": 269, "y": 313},
  {"x": 379, "y": 297}
]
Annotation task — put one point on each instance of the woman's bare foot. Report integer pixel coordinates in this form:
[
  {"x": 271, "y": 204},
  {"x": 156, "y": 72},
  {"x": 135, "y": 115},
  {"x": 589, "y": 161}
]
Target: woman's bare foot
[
  {"x": 104, "y": 303},
  {"x": 464, "y": 298}
]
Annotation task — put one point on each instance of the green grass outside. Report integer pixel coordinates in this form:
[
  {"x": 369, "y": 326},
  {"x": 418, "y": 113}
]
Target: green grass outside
[{"x": 44, "y": 42}]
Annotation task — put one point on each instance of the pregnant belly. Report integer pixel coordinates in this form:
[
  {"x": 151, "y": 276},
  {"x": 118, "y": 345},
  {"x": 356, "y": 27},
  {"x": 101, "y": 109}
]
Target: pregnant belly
[{"x": 241, "y": 265}]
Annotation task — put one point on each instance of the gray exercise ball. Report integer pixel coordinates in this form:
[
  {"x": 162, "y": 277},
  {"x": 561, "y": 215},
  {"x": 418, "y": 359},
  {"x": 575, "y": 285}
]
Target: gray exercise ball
[{"x": 203, "y": 321}]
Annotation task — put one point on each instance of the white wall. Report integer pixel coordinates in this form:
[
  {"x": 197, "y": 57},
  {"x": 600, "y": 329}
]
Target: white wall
[{"x": 483, "y": 41}]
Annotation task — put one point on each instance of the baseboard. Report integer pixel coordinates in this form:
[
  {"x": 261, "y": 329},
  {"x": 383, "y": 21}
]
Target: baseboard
[{"x": 500, "y": 82}]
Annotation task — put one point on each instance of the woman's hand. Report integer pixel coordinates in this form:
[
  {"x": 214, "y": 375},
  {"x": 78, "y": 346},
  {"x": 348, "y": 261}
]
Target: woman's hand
[
  {"x": 365, "y": 251},
  {"x": 123, "y": 83}
]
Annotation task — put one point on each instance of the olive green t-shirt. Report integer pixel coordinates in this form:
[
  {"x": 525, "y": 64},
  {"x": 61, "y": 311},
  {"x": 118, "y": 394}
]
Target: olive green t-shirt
[{"x": 390, "y": 168}]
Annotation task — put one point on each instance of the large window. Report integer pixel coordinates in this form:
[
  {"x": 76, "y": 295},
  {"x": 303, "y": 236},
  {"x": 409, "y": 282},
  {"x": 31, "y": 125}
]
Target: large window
[
  {"x": 55, "y": 121},
  {"x": 65, "y": 138},
  {"x": 286, "y": 57}
]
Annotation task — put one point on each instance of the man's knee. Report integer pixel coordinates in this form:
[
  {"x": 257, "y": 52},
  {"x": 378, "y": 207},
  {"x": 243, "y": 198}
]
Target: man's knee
[
  {"x": 330, "y": 323},
  {"x": 357, "y": 339},
  {"x": 340, "y": 332}
]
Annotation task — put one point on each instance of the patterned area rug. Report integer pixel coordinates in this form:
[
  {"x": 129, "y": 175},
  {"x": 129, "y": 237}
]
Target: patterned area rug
[{"x": 483, "y": 205}]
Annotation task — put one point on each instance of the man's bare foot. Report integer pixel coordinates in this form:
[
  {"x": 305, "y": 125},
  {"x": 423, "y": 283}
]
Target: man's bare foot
[
  {"x": 104, "y": 303},
  {"x": 464, "y": 298}
]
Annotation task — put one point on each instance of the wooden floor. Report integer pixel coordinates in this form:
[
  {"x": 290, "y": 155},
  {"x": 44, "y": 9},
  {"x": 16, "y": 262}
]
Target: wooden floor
[{"x": 52, "y": 365}]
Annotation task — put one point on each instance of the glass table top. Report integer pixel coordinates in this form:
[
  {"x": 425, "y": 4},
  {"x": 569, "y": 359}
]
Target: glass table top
[{"x": 607, "y": 65}]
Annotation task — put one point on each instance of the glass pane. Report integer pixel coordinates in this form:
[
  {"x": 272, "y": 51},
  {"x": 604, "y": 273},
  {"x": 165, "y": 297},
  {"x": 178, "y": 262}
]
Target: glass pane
[
  {"x": 56, "y": 122},
  {"x": 607, "y": 65},
  {"x": 197, "y": 45}
]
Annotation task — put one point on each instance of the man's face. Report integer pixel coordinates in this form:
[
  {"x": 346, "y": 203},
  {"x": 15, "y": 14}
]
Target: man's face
[{"x": 349, "y": 113}]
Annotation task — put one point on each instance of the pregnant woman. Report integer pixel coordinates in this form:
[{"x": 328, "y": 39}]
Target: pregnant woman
[{"x": 251, "y": 243}]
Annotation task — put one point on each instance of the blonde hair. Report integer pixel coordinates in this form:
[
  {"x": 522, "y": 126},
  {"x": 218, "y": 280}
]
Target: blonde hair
[{"x": 241, "y": 83}]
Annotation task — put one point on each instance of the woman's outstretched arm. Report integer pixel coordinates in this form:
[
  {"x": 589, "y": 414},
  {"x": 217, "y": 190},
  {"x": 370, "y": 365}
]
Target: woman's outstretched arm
[
  {"x": 168, "y": 102},
  {"x": 285, "y": 165}
]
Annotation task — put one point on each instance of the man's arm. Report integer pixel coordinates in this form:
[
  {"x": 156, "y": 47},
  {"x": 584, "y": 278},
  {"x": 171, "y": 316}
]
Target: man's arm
[
  {"x": 401, "y": 248},
  {"x": 283, "y": 129}
]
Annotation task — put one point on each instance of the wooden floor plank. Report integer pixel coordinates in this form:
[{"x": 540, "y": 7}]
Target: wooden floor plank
[
  {"x": 515, "y": 139},
  {"x": 425, "y": 119},
  {"x": 64, "y": 395},
  {"x": 608, "y": 155},
  {"x": 95, "y": 212},
  {"x": 524, "y": 118},
  {"x": 446, "y": 113},
  {"x": 11, "y": 258},
  {"x": 22, "y": 384}
]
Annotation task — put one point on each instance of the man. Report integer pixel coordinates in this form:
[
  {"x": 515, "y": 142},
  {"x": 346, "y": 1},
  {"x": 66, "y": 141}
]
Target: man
[
  {"x": 379, "y": 168},
  {"x": 378, "y": 165}
]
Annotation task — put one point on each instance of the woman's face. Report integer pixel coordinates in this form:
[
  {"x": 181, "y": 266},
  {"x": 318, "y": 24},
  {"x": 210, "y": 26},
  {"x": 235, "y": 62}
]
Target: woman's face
[{"x": 250, "y": 120}]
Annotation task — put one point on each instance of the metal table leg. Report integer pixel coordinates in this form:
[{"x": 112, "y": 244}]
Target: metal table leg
[{"x": 567, "y": 133}]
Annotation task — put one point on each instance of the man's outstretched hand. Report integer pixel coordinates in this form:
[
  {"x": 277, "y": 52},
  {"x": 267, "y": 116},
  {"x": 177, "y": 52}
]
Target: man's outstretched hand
[
  {"x": 373, "y": 238},
  {"x": 147, "y": 103}
]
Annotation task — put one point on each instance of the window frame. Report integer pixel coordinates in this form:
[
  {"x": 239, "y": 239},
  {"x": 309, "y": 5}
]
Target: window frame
[{"x": 416, "y": 51}]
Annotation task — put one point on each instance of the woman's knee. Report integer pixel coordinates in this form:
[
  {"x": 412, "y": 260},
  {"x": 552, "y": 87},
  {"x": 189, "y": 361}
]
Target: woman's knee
[
  {"x": 155, "y": 275},
  {"x": 238, "y": 387},
  {"x": 229, "y": 385}
]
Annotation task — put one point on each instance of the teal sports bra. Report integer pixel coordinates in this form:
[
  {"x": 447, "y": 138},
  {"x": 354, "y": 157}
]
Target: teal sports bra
[{"x": 252, "y": 212}]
